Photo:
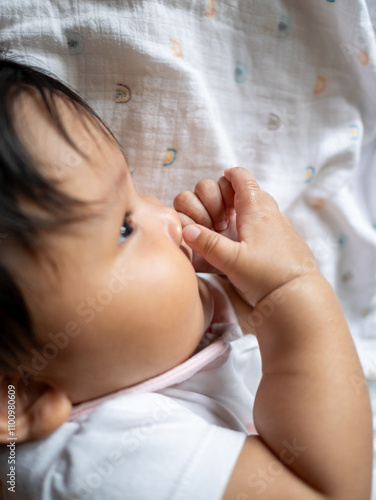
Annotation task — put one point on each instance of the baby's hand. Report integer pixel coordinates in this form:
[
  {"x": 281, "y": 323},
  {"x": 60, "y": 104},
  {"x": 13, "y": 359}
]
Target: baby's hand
[
  {"x": 268, "y": 252},
  {"x": 211, "y": 205}
]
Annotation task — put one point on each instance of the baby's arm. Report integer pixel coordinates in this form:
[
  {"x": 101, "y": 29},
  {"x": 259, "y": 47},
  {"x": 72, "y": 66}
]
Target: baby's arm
[{"x": 312, "y": 409}]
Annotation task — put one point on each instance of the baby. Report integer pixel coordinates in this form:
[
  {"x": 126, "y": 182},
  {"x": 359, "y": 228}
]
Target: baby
[{"x": 102, "y": 309}]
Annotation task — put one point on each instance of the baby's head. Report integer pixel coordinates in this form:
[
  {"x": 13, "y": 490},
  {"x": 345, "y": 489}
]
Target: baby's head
[{"x": 97, "y": 292}]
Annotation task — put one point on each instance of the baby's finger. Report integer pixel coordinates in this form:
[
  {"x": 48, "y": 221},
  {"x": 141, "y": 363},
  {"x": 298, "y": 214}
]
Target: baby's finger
[
  {"x": 210, "y": 195},
  {"x": 251, "y": 203},
  {"x": 187, "y": 203},
  {"x": 227, "y": 194},
  {"x": 185, "y": 220},
  {"x": 217, "y": 250}
]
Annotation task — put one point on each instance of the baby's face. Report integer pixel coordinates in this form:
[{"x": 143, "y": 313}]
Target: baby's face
[{"x": 125, "y": 278}]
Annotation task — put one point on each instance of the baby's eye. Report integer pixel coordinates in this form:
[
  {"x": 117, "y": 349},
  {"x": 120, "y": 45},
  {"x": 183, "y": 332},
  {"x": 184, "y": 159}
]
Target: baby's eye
[{"x": 125, "y": 230}]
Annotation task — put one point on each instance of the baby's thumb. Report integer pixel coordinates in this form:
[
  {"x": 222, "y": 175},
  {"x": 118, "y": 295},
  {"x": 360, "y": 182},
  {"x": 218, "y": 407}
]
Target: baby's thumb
[{"x": 216, "y": 249}]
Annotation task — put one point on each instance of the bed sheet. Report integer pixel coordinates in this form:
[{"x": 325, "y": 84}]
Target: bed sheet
[{"x": 282, "y": 87}]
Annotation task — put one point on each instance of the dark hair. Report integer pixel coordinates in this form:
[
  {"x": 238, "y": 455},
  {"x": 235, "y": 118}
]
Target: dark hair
[{"x": 21, "y": 179}]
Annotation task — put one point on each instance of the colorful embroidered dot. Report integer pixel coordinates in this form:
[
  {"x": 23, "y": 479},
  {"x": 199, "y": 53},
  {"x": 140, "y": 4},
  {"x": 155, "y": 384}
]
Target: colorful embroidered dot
[
  {"x": 123, "y": 93},
  {"x": 170, "y": 157}
]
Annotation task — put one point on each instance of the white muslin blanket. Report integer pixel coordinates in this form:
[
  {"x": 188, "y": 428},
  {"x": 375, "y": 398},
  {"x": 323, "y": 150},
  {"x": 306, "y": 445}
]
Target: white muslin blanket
[{"x": 285, "y": 88}]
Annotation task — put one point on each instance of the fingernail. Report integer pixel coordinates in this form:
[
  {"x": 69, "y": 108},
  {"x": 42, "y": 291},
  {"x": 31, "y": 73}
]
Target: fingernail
[
  {"x": 190, "y": 233},
  {"x": 221, "y": 226}
]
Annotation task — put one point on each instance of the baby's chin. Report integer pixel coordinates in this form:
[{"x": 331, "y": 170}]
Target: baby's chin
[{"x": 207, "y": 302}]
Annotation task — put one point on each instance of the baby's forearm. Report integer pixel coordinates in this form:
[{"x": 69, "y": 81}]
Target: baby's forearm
[{"x": 312, "y": 407}]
